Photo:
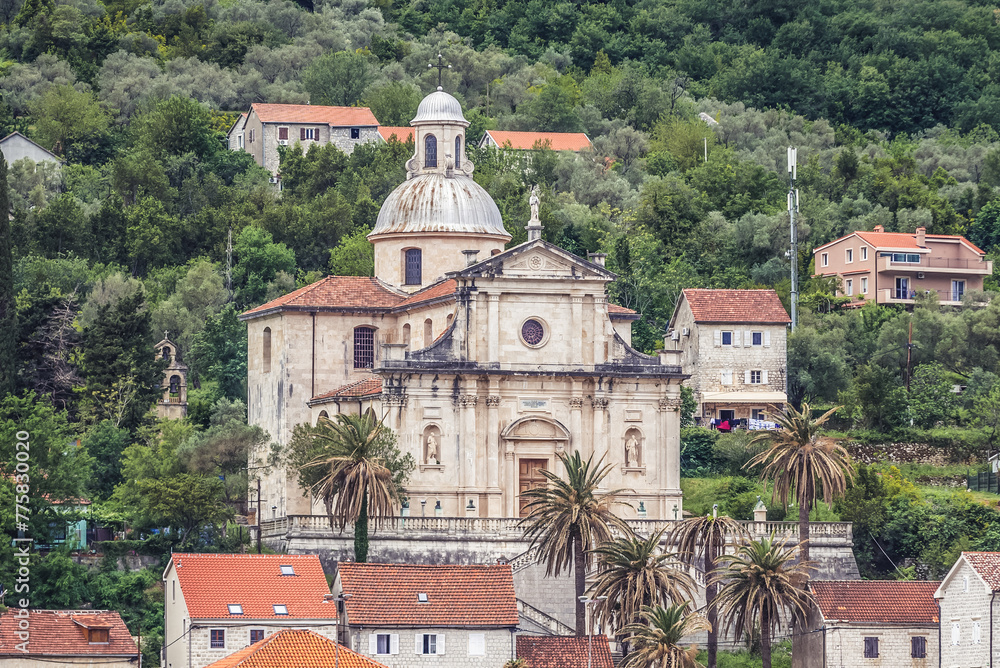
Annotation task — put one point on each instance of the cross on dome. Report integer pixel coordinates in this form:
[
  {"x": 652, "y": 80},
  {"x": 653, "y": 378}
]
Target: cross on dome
[{"x": 440, "y": 68}]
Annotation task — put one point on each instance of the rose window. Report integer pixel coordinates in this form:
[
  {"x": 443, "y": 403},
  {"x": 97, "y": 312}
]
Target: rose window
[{"x": 532, "y": 332}]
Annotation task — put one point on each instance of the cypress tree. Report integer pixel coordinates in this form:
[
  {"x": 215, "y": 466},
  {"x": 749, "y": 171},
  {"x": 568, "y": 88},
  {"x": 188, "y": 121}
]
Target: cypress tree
[{"x": 8, "y": 310}]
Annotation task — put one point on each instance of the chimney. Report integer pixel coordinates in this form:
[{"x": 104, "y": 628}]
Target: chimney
[
  {"x": 922, "y": 236},
  {"x": 470, "y": 257},
  {"x": 879, "y": 228},
  {"x": 597, "y": 258}
]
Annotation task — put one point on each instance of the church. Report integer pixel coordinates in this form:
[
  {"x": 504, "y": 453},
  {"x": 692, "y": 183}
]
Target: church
[{"x": 486, "y": 363}]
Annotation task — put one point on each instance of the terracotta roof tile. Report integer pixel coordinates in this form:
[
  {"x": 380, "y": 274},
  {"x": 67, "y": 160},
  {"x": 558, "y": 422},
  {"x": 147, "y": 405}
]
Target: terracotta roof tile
[
  {"x": 64, "y": 633},
  {"x": 899, "y": 240},
  {"x": 885, "y": 601},
  {"x": 402, "y": 134},
  {"x": 366, "y": 387},
  {"x": 441, "y": 289},
  {"x": 564, "y": 651},
  {"x": 987, "y": 565},
  {"x": 759, "y": 306},
  {"x": 334, "y": 292},
  {"x": 314, "y": 113},
  {"x": 557, "y": 141},
  {"x": 616, "y": 312},
  {"x": 295, "y": 648},
  {"x": 210, "y": 582},
  {"x": 386, "y": 595}
]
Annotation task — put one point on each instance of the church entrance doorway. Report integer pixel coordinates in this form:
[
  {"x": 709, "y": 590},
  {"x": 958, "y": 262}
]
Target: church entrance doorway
[{"x": 529, "y": 477}]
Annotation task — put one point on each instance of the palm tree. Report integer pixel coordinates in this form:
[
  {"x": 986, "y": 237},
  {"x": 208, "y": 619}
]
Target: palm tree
[
  {"x": 569, "y": 518},
  {"x": 798, "y": 459},
  {"x": 634, "y": 573},
  {"x": 706, "y": 538},
  {"x": 657, "y": 642},
  {"x": 356, "y": 474},
  {"x": 763, "y": 582}
]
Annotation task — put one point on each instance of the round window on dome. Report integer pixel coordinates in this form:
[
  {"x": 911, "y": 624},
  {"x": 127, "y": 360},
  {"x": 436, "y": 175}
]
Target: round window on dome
[{"x": 533, "y": 332}]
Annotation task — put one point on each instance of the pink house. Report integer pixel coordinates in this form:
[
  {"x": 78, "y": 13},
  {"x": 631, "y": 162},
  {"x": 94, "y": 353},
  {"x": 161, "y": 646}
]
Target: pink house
[{"x": 891, "y": 267}]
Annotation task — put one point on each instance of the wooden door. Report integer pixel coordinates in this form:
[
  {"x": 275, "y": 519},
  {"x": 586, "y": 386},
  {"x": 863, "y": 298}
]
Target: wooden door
[{"x": 529, "y": 477}]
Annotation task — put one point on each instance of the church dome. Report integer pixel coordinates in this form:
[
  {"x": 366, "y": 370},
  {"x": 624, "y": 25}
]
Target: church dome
[
  {"x": 437, "y": 203},
  {"x": 439, "y": 107}
]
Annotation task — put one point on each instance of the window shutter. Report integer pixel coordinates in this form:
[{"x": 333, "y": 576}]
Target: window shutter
[
  {"x": 394, "y": 643},
  {"x": 748, "y": 337},
  {"x": 763, "y": 376},
  {"x": 718, "y": 338},
  {"x": 372, "y": 644},
  {"x": 726, "y": 378},
  {"x": 440, "y": 644},
  {"x": 956, "y": 633},
  {"x": 736, "y": 339},
  {"x": 316, "y": 134},
  {"x": 767, "y": 339},
  {"x": 976, "y": 632},
  {"x": 746, "y": 377},
  {"x": 302, "y": 133},
  {"x": 418, "y": 645}
]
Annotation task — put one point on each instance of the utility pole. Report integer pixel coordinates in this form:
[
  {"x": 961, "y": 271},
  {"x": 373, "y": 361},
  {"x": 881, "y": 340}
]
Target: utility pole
[
  {"x": 229, "y": 264},
  {"x": 793, "y": 209}
]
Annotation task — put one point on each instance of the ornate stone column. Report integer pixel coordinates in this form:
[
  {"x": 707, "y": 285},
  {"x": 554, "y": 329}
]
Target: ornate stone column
[
  {"x": 669, "y": 460},
  {"x": 470, "y": 442},
  {"x": 576, "y": 421},
  {"x": 600, "y": 405},
  {"x": 493, "y": 328}
]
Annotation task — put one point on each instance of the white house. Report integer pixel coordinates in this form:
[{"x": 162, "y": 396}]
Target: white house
[{"x": 970, "y": 611}]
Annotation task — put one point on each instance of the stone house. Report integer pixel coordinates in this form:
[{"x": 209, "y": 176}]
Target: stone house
[
  {"x": 43, "y": 638},
  {"x": 565, "y": 651},
  {"x": 970, "y": 611},
  {"x": 892, "y": 267},
  {"x": 486, "y": 363},
  {"x": 864, "y": 623},
  {"x": 734, "y": 345},
  {"x": 268, "y": 126},
  {"x": 16, "y": 146},
  {"x": 173, "y": 404},
  {"x": 216, "y": 604},
  {"x": 407, "y": 615},
  {"x": 236, "y": 136},
  {"x": 296, "y": 648},
  {"x": 526, "y": 141}
]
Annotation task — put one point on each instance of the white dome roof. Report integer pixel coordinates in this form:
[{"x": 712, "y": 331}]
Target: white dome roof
[
  {"x": 439, "y": 106},
  {"x": 436, "y": 203}
]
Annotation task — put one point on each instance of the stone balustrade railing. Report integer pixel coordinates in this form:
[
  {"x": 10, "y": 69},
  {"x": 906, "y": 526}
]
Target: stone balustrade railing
[{"x": 491, "y": 528}]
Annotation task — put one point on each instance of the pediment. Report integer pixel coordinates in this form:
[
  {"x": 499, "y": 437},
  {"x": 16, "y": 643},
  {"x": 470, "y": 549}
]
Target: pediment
[{"x": 538, "y": 259}]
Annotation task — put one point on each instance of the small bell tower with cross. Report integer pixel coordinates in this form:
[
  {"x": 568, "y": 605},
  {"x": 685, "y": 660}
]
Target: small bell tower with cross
[{"x": 173, "y": 404}]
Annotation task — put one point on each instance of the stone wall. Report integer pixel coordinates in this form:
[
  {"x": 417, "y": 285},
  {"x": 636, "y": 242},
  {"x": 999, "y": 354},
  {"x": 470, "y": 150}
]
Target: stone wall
[
  {"x": 498, "y": 647},
  {"x": 237, "y": 637},
  {"x": 966, "y": 602},
  {"x": 845, "y": 646}
]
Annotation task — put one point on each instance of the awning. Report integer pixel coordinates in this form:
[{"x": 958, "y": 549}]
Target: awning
[{"x": 743, "y": 398}]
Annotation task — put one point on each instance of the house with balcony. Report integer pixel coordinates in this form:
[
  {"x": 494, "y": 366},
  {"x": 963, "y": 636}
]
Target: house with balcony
[{"x": 893, "y": 267}]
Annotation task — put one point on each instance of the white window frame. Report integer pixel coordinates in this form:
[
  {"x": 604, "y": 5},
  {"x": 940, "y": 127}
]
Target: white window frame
[
  {"x": 824, "y": 259},
  {"x": 235, "y": 608},
  {"x": 754, "y": 336},
  {"x": 864, "y": 253},
  {"x": 757, "y": 374},
  {"x": 864, "y": 285},
  {"x": 211, "y": 640},
  {"x": 848, "y": 256},
  {"x": 391, "y": 644},
  {"x": 731, "y": 337},
  {"x": 849, "y": 287},
  {"x": 429, "y": 641},
  {"x": 280, "y": 609}
]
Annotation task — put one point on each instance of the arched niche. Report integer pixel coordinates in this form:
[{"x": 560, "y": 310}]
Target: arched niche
[
  {"x": 633, "y": 451},
  {"x": 533, "y": 429},
  {"x": 430, "y": 445}
]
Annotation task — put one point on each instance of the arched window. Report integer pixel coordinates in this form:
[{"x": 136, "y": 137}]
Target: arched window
[
  {"x": 413, "y": 266},
  {"x": 428, "y": 332},
  {"x": 364, "y": 347},
  {"x": 447, "y": 322},
  {"x": 406, "y": 333},
  {"x": 266, "y": 352},
  {"x": 175, "y": 384},
  {"x": 166, "y": 352},
  {"x": 430, "y": 151},
  {"x": 458, "y": 151},
  {"x": 323, "y": 415}
]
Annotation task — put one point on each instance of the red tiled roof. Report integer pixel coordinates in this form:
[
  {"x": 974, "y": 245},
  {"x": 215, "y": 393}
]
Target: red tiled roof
[
  {"x": 314, "y": 113},
  {"x": 616, "y": 310},
  {"x": 334, "y": 292},
  {"x": 557, "y": 141},
  {"x": 295, "y": 648},
  {"x": 210, "y": 582},
  {"x": 402, "y": 134},
  {"x": 899, "y": 240},
  {"x": 366, "y": 387},
  {"x": 64, "y": 633},
  {"x": 442, "y": 289},
  {"x": 987, "y": 565},
  {"x": 564, "y": 651},
  {"x": 760, "y": 306},
  {"x": 885, "y": 601},
  {"x": 386, "y": 595}
]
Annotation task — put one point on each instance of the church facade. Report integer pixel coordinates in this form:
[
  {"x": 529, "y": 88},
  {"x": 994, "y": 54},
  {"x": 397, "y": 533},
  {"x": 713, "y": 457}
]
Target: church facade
[{"x": 486, "y": 363}]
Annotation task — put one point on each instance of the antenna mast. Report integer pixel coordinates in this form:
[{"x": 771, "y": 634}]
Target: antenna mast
[
  {"x": 793, "y": 209},
  {"x": 229, "y": 264}
]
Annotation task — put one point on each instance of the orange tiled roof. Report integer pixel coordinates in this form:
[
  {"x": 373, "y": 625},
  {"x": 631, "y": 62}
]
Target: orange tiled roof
[
  {"x": 615, "y": 309},
  {"x": 366, "y": 387},
  {"x": 564, "y": 651},
  {"x": 64, "y": 633},
  {"x": 900, "y": 240},
  {"x": 295, "y": 648},
  {"x": 210, "y": 582},
  {"x": 757, "y": 306},
  {"x": 334, "y": 292},
  {"x": 314, "y": 113},
  {"x": 441, "y": 289},
  {"x": 879, "y": 601},
  {"x": 557, "y": 141},
  {"x": 402, "y": 134},
  {"x": 987, "y": 565},
  {"x": 386, "y": 595}
]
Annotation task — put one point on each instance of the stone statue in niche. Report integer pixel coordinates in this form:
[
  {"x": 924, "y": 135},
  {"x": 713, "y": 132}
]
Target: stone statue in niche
[
  {"x": 632, "y": 452},
  {"x": 432, "y": 448}
]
